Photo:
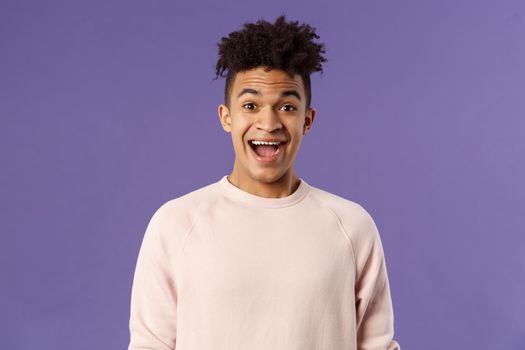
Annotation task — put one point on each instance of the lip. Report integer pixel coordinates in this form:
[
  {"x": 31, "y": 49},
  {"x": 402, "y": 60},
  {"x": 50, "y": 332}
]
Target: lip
[
  {"x": 266, "y": 160},
  {"x": 267, "y": 140}
]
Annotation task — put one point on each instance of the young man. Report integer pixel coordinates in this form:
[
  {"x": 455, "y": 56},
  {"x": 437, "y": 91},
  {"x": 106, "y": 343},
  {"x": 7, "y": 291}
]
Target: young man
[{"x": 261, "y": 259}]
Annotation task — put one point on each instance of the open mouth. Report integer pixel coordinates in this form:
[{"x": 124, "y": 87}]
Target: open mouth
[{"x": 266, "y": 151}]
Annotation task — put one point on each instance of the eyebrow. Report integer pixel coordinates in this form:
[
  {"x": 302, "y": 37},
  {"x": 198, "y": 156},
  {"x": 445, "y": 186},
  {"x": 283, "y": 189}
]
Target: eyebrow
[{"x": 283, "y": 94}]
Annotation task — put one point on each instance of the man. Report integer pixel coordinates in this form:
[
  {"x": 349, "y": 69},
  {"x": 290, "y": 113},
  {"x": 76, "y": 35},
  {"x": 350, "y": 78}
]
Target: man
[{"x": 261, "y": 259}]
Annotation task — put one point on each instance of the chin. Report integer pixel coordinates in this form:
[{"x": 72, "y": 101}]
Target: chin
[{"x": 267, "y": 175}]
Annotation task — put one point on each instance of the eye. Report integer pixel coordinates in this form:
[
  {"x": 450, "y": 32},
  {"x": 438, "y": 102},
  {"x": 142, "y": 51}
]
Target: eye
[
  {"x": 249, "y": 104},
  {"x": 293, "y": 108}
]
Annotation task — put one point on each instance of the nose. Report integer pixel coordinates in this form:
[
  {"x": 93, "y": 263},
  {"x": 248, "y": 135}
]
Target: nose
[{"x": 268, "y": 120}]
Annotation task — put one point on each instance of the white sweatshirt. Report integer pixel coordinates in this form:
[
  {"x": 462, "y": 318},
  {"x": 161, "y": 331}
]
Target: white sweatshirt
[{"x": 223, "y": 269}]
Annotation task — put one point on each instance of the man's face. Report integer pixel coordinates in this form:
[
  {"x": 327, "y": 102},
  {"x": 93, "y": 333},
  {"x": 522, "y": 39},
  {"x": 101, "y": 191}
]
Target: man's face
[{"x": 266, "y": 106}]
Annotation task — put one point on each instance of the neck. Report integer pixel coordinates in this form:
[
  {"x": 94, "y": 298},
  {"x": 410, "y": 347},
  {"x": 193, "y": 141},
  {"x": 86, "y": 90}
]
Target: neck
[{"x": 265, "y": 186}]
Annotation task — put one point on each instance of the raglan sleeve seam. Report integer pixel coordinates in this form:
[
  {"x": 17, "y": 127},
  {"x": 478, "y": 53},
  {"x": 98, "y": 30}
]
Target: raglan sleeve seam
[
  {"x": 342, "y": 229},
  {"x": 155, "y": 285}
]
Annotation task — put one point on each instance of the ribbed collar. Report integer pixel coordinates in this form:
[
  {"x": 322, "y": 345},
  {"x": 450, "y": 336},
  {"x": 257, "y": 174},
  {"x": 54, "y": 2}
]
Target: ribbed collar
[{"x": 236, "y": 193}]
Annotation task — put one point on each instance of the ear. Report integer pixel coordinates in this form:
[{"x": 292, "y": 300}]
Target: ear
[
  {"x": 309, "y": 119},
  {"x": 224, "y": 117}
]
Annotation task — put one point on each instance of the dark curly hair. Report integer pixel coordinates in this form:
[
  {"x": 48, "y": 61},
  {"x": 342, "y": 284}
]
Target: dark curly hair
[{"x": 284, "y": 45}]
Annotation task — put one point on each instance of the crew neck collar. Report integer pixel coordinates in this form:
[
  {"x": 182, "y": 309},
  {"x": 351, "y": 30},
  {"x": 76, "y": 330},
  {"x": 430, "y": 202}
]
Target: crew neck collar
[{"x": 249, "y": 198}]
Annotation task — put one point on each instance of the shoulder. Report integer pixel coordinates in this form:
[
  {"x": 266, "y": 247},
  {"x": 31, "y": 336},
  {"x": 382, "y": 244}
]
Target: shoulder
[
  {"x": 355, "y": 222},
  {"x": 354, "y": 219},
  {"x": 179, "y": 214},
  {"x": 347, "y": 210}
]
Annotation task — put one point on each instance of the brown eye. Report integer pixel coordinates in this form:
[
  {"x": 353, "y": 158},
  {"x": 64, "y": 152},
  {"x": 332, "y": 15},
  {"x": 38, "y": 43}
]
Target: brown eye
[
  {"x": 249, "y": 104},
  {"x": 293, "y": 108}
]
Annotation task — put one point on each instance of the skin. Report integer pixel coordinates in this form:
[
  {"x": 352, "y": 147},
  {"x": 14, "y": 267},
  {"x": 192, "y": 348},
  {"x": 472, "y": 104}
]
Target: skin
[{"x": 266, "y": 114}]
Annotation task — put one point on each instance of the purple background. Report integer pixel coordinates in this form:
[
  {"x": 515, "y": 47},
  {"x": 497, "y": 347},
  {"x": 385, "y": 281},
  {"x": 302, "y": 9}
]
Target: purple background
[{"x": 108, "y": 109}]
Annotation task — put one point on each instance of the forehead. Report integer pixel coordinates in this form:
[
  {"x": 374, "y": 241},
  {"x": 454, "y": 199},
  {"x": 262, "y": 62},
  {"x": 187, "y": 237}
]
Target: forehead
[{"x": 266, "y": 82}]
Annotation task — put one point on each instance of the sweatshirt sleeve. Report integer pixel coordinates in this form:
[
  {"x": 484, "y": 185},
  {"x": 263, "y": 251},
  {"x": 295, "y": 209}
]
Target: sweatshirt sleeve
[
  {"x": 153, "y": 308},
  {"x": 374, "y": 310}
]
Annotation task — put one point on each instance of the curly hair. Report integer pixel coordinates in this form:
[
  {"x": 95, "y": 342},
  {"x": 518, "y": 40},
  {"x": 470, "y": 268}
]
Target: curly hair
[{"x": 284, "y": 45}]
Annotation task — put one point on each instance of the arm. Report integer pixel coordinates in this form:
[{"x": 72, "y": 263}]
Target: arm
[
  {"x": 153, "y": 309},
  {"x": 374, "y": 310}
]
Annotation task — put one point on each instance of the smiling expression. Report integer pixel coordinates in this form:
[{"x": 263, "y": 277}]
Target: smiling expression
[{"x": 266, "y": 106}]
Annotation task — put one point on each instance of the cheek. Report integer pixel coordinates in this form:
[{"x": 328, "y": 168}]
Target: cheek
[
  {"x": 238, "y": 135},
  {"x": 296, "y": 131}
]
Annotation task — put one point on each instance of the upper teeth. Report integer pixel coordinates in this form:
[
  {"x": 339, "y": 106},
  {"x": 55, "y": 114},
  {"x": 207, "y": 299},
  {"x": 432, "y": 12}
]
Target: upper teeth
[{"x": 255, "y": 142}]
